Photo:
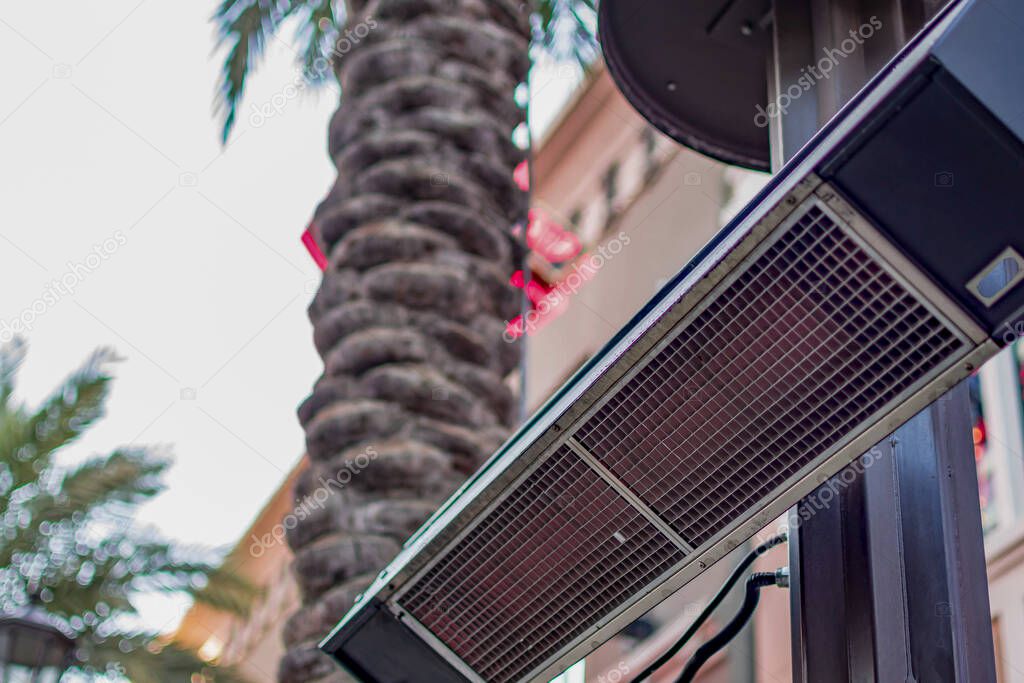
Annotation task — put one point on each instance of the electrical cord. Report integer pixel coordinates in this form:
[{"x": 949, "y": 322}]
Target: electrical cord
[
  {"x": 755, "y": 583},
  {"x": 737, "y": 573}
]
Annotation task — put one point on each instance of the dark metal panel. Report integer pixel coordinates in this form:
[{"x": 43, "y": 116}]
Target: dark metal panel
[
  {"x": 983, "y": 52},
  {"x": 919, "y": 176},
  {"x": 891, "y": 569},
  {"x": 369, "y": 646},
  {"x": 792, "y": 53},
  {"x": 820, "y": 647},
  {"x": 899, "y": 19},
  {"x": 834, "y": 609},
  {"x": 929, "y": 580},
  {"x": 885, "y": 574},
  {"x": 831, "y": 22},
  {"x": 969, "y": 613},
  {"x": 887, "y": 570},
  {"x": 659, "y": 54},
  {"x": 860, "y": 635},
  {"x": 807, "y": 31},
  {"x": 922, "y": 537}
]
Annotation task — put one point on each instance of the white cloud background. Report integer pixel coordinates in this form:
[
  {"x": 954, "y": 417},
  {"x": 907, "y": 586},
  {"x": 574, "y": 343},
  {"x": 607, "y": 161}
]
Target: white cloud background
[{"x": 106, "y": 126}]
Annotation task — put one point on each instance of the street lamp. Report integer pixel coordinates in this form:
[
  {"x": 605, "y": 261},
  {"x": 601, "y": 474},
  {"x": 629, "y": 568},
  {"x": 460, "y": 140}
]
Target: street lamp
[{"x": 33, "y": 647}]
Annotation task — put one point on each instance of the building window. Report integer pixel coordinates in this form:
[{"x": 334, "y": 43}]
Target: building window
[
  {"x": 650, "y": 141},
  {"x": 610, "y": 184},
  {"x": 575, "y": 220}
]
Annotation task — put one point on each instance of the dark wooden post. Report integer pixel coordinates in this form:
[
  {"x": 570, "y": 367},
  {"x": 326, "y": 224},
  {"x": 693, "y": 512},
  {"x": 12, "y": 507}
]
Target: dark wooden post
[{"x": 888, "y": 567}]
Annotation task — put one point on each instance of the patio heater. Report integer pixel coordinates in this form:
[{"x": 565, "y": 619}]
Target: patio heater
[
  {"x": 880, "y": 266},
  {"x": 778, "y": 72},
  {"x": 33, "y": 647}
]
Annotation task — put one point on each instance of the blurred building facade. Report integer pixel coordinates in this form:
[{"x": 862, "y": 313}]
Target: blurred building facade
[
  {"x": 253, "y": 644},
  {"x": 621, "y": 208}
]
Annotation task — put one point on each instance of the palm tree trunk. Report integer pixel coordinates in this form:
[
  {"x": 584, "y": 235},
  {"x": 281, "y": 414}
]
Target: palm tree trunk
[{"x": 410, "y": 315}]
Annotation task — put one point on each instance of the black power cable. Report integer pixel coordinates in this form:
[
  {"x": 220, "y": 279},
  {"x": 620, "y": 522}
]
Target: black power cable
[
  {"x": 755, "y": 583},
  {"x": 737, "y": 573}
]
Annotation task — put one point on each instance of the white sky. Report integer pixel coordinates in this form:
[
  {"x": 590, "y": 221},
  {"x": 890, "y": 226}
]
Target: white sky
[
  {"x": 104, "y": 113},
  {"x": 106, "y": 131}
]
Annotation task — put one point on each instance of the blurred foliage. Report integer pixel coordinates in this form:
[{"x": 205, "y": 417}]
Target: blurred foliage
[
  {"x": 563, "y": 29},
  {"x": 70, "y": 541}
]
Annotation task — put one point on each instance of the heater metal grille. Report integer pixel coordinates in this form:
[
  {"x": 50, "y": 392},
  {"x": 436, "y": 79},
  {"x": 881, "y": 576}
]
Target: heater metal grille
[
  {"x": 809, "y": 341},
  {"x": 561, "y": 551},
  {"x": 806, "y": 344}
]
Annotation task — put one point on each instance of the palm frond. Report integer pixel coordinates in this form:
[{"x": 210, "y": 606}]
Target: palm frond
[
  {"x": 129, "y": 475},
  {"x": 11, "y": 356},
  {"x": 226, "y": 589},
  {"x": 74, "y": 407},
  {"x": 70, "y": 538},
  {"x": 243, "y": 28},
  {"x": 317, "y": 33},
  {"x": 207, "y": 582},
  {"x": 146, "y": 660},
  {"x": 566, "y": 30},
  {"x": 28, "y": 440}
]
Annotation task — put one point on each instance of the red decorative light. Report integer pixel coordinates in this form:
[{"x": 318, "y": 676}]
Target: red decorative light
[
  {"x": 311, "y": 238},
  {"x": 535, "y": 291},
  {"x": 521, "y": 175},
  {"x": 514, "y": 327},
  {"x": 980, "y": 436},
  {"x": 545, "y": 305},
  {"x": 549, "y": 239}
]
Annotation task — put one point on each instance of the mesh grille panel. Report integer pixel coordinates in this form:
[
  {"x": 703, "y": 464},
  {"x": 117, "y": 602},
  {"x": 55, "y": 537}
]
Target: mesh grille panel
[
  {"x": 559, "y": 553},
  {"x": 812, "y": 338}
]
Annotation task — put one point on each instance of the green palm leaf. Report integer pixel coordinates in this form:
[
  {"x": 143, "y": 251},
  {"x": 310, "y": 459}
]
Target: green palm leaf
[
  {"x": 70, "y": 539},
  {"x": 566, "y": 31},
  {"x": 148, "y": 661},
  {"x": 244, "y": 27}
]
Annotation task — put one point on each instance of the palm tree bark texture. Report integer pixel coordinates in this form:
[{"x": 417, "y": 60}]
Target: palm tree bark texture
[{"x": 410, "y": 315}]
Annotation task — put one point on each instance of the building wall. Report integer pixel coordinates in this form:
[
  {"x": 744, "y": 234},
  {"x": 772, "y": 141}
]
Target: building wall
[
  {"x": 668, "y": 202},
  {"x": 254, "y": 643},
  {"x": 1000, "y": 458}
]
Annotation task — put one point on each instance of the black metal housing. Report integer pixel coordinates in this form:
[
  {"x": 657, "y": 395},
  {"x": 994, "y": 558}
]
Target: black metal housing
[{"x": 695, "y": 69}]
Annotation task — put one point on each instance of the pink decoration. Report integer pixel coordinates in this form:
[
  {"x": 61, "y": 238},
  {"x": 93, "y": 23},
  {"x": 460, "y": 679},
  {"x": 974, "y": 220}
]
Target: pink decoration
[{"x": 311, "y": 238}]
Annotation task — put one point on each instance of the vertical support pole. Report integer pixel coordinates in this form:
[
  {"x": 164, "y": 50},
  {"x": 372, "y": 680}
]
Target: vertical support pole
[
  {"x": 886, "y": 558},
  {"x": 969, "y": 614}
]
